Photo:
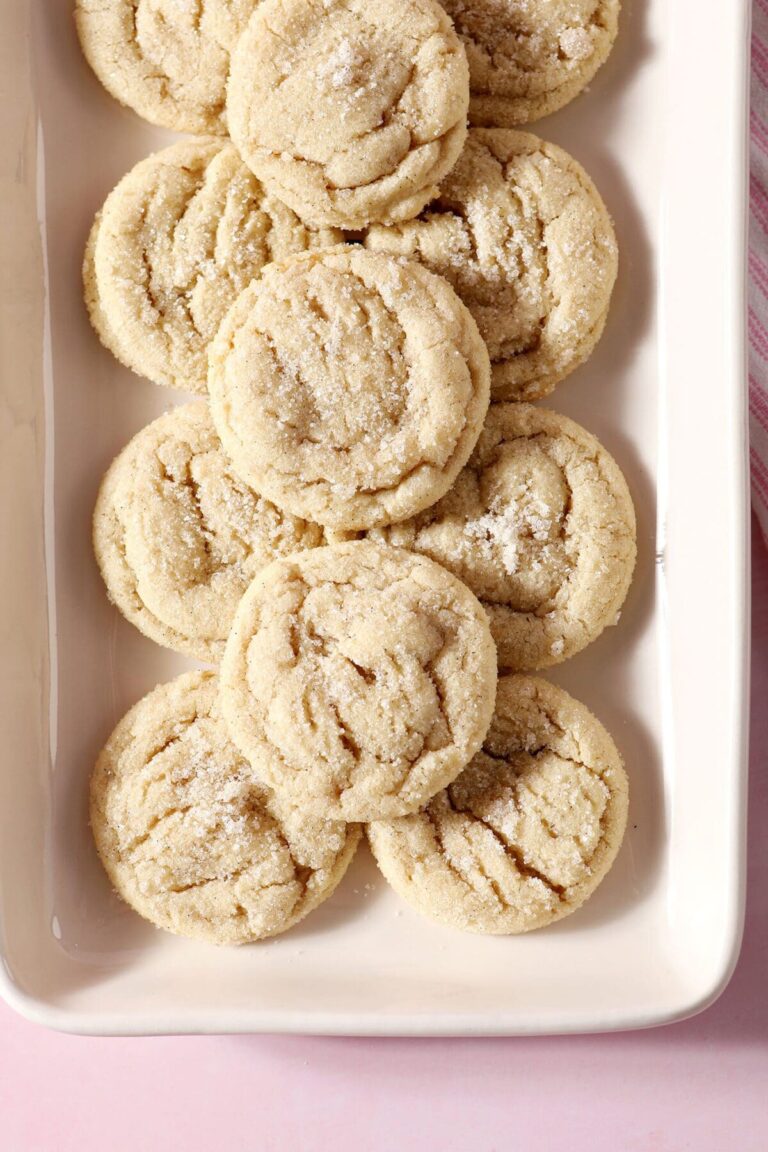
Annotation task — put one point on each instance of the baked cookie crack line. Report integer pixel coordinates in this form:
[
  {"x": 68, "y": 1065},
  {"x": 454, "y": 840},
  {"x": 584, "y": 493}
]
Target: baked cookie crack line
[
  {"x": 133, "y": 13},
  {"x": 190, "y": 485},
  {"x": 430, "y": 672},
  {"x": 154, "y": 823},
  {"x": 180, "y": 730},
  {"x": 534, "y": 753},
  {"x": 492, "y": 883},
  {"x": 540, "y": 231},
  {"x": 227, "y": 877},
  {"x": 346, "y": 739},
  {"x": 445, "y": 855},
  {"x": 148, "y": 288},
  {"x": 517, "y": 853},
  {"x": 197, "y": 14}
]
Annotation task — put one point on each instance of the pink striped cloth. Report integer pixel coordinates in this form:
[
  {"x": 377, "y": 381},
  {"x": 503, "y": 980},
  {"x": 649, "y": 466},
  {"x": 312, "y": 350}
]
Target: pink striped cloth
[{"x": 758, "y": 264}]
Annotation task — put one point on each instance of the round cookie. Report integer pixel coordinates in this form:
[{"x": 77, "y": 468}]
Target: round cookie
[
  {"x": 528, "y": 830},
  {"x": 168, "y": 60},
  {"x": 540, "y": 525},
  {"x": 178, "y": 536},
  {"x": 349, "y": 110},
  {"x": 173, "y": 246},
  {"x": 348, "y": 386},
  {"x": 528, "y": 58},
  {"x": 523, "y": 236},
  {"x": 190, "y": 840},
  {"x": 358, "y": 680}
]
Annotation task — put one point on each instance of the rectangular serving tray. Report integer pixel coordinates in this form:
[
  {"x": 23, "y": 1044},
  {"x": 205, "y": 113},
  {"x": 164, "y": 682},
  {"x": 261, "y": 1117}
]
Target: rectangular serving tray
[{"x": 662, "y": 132}]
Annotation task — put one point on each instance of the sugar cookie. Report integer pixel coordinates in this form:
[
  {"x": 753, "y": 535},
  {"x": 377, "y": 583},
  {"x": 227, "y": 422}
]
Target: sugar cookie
[
  {"x": 174, "y": 244},
  {"x": 540, "y": 525},
  {"x": 190, "y": 840},
  {"x": 178, "y": 537},
  {"x": 349, "y": 110},
  {"x": 528, "y": 58},
  {"x": 358, "y": 680},
  {"x": 168, "y": 60},
  {"x": 348, "y": 386},
  {"x": 523, "y": 236},
  {"x": 527, "y": 832}
]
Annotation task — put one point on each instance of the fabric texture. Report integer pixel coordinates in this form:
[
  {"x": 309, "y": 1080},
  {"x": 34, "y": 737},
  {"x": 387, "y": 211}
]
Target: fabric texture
[{"x": 758, "y": 264}]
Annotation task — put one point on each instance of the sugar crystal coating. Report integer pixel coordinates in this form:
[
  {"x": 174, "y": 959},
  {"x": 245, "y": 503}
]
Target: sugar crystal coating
[
  {"x": 349, "y": 386},
  {"x": 178, "y": 536},
  {"x": 527, "y": 58},
  {"x": 358, "y": 679},
  {"x": 521, "y": 233},
  {"x": 527, "y": 831},
  {"x": 175, "y": 243},
  {"x": 540, "y": 525},
  {"x": 349, "y": 110},
  {"x": 189, "y": 838},
  {"x": 166, "y": 59}
]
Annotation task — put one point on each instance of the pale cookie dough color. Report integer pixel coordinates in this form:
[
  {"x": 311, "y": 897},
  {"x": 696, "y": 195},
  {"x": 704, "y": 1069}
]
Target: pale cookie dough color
[
  {"x": 178, "y": 536},
  {"x": 527, "y": 832},
  {"x": 168, "y": 60},
  {"x": 358, "y": 680},
  {"x": 190, "y": 840},
  {"x": 541, "y": 526},
  {"x": 173, "y": 246},
  {"x": 523, "y": 236},
  {"x": 349, "y": 387},
  {"x": 349, "y": 110},
  {"x": 528, "y": 58}
]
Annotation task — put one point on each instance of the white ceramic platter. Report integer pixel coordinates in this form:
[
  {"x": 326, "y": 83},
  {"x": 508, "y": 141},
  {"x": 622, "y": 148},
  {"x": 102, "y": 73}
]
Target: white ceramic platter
[{"x": 662, "y": 132}]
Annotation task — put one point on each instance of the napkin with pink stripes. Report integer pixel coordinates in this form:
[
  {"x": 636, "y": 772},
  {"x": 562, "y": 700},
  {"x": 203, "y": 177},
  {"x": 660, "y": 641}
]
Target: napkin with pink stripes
[{"x": 758, "y": 264}]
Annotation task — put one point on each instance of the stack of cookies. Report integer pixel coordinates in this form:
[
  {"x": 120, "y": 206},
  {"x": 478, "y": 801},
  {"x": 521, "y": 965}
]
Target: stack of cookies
[{"x": 363, "y": 524}]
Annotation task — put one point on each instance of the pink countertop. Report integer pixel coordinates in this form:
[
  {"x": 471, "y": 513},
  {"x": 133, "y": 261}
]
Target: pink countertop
[{"x": 701, "y": 1085}]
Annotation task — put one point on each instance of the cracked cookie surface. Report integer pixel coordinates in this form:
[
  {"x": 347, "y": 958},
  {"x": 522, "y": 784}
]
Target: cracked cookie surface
[
  {"x": 541, "y": 526},
  {"x": 168, "y": 60},
  {"x": 358, "y": 679},
  {"x": 528, "y": 830},
  {"x": 173, "y": 246},
  {"x": 521, "y": 233},
  {"x": 528, "y": 58},
  {"x": 190, "y": 840},
  {"x": 349, "y": 386},
  {"x": 349, "y": 110},
  {"x": 178, "y": 536}
]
